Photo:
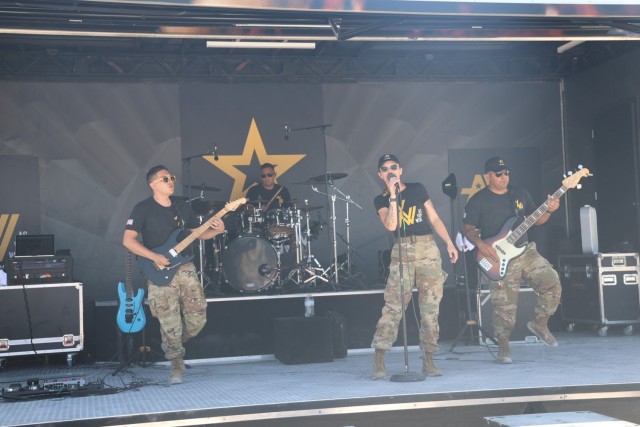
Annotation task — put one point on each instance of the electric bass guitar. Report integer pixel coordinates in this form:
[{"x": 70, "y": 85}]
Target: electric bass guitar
[
  {"x": 161, "y": 275},
  {"x": 130, "y": 318},
  {"x": 505, "y": 241}
]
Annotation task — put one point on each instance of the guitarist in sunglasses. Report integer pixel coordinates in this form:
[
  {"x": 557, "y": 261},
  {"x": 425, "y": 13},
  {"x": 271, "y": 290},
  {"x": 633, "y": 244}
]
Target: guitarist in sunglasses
[
  {"x": 180, "y": 306},
  {"x": 486, "y": 213}
]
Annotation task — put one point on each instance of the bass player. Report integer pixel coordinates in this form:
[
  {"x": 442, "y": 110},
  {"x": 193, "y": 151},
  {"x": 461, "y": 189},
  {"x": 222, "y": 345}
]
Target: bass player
[{"x": 486, "y": 212}]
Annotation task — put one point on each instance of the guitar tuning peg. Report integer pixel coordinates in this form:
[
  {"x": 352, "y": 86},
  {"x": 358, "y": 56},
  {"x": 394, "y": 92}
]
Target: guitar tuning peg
[
  {"x": 570, "y": 173},
  {"x": 579, "y": 186},
  {"x": 564, "y": 175},
  {"x": 580, "y": 167}
]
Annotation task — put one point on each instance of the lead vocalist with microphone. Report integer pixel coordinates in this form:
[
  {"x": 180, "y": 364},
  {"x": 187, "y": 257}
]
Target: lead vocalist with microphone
[{"x": 422, "y": 264}]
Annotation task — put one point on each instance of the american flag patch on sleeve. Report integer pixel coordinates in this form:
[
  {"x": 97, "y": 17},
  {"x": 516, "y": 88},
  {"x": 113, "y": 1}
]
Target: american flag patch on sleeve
[{"x": 130, "y": 222}]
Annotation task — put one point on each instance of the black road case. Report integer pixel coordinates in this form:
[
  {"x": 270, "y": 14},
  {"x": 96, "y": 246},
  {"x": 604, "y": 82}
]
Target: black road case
[
  {"x": 600, "y": 289},
  {"x": 41, "y": 319}
]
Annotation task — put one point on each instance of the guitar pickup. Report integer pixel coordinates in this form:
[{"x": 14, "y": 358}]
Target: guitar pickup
[{"x": 485, "y": 264}]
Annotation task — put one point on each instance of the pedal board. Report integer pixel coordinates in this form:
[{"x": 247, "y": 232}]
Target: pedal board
[{"x": 55, "y": 387}]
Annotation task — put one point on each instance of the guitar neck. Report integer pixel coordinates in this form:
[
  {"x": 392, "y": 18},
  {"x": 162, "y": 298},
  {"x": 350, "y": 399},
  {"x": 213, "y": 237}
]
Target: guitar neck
[
  {"x": 534, "y": 217},
  {"x": 127, "y": 278},
  {"x": 198, "y": 231}
]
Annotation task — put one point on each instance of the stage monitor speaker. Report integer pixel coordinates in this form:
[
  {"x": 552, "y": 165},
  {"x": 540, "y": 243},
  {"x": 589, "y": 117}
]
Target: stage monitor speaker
[{"x": 300, "y": 340}]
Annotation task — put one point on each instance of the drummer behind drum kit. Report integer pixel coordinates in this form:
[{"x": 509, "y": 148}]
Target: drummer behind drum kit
[{"x": 269, "y": 250}]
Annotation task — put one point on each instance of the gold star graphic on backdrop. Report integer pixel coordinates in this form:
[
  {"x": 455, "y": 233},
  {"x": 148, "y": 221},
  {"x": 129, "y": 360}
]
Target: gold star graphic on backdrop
[
  {"x": 253, "y": 144},
  {"x": 477, "y": 185}
]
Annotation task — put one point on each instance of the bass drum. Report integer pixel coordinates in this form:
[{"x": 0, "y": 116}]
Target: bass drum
[{"x": 243, "y": 261}]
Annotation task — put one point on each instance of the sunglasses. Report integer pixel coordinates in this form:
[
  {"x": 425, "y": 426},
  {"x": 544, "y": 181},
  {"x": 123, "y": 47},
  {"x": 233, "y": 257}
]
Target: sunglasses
[
  {"x": 165, "y": 179},
  {"x": 270, "y": 175},
  {"x": 504, "y": 172},
  {"x": 390, "y": 167}
]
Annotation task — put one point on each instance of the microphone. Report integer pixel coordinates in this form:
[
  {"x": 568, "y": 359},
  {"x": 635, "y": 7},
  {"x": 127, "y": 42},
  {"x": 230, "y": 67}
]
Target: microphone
[
  {"x": 287, "y": 131},
  {"x": 393, "y": 175},
  {"x": 215, "y": 153},
  {"x": 265, "y": 269}
]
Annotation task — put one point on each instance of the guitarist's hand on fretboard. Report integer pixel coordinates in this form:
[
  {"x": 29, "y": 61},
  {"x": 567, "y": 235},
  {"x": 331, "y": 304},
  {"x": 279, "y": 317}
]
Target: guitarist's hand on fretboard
[
  {"x": 217, "y": 224},
  {"x": 553, "y": 204}
]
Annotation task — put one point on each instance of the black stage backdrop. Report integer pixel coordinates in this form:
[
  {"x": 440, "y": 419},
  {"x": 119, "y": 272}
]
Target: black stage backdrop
[
  {"x": 20, "y": 195},
  {"x": 95, "y": 141}
]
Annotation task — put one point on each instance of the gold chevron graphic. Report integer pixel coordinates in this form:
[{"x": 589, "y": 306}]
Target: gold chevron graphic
[
  {"x": 7, "y": 227},
  {"x": 253, "y": 144}
]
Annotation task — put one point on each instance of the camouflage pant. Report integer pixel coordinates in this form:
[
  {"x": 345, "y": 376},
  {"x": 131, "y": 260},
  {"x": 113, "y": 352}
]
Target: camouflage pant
[
  {"x": 422, "y": 266},
  {"x": 539, "y": 274},
  {"x": 181, "y": 309}
]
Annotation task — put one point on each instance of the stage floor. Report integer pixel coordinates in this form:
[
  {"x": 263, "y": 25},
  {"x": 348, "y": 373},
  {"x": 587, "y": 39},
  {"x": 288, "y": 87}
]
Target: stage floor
[{"x": 583, "y": 367}]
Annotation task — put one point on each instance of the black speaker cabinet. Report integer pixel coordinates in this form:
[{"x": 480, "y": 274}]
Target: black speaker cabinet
[{"x": 300, "y": 340}]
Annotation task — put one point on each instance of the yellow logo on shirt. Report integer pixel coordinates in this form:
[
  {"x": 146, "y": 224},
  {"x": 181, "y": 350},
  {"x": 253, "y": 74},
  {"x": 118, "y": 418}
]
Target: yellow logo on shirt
[{"x": 408, "y": 217}]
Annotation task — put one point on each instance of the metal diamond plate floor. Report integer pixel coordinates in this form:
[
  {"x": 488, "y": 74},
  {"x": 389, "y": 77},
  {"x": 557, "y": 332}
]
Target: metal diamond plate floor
[{"x": 264, "y": 387}]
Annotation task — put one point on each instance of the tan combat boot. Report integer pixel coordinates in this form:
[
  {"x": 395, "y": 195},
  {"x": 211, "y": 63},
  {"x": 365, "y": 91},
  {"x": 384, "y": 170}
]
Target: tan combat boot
[
  {"x": 379, "y": 371},
  {"x": 504, "y": 353},
  {"x": 177, "y": 371},
  {"x": 428, "y": 367},
  {"x": 539, "y": 327}
]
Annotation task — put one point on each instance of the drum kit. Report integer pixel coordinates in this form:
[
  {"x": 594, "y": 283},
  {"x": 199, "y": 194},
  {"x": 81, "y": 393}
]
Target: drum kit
[{"x": 270, "y": 250}]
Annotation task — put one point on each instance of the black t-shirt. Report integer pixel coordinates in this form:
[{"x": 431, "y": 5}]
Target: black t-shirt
[
  {"x": 488, "y": 211},
  {"x": 414, "y": 217},
  {"x": 156, "y": 223},
  {"x": 258, "y": 192}
]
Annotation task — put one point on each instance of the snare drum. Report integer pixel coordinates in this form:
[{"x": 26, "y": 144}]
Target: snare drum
[{"x": 280, "y": 224}]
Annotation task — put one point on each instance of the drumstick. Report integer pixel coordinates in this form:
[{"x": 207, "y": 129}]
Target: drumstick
[{"x": 266, "y": 208}]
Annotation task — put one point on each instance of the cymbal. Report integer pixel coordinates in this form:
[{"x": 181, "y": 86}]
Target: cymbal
[
  {"x": 310, "y": 208},
  {"x": 321, "y": 179},
  {"x": 180, "y": 198},
  {"x": 202, "y": 188},
  {"x": 204, "y": 207}
]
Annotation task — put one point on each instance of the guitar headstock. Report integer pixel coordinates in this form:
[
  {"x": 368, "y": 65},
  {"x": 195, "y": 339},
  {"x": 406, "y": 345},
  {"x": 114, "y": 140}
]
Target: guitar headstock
[
  {"x": 232, "y": 206},
  {"x": 573, "y": 178}
]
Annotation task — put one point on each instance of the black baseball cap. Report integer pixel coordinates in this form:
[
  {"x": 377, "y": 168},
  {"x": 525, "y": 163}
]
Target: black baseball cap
[
  {"x": 495, "y": 164},
  {"x": 386, "y": 158}
]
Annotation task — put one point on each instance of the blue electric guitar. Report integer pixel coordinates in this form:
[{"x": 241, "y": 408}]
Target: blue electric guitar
[
  {"x": 160, "y": 275},
  {"x": 505, "y": 241},
  {"x": 131, "y": 318}
]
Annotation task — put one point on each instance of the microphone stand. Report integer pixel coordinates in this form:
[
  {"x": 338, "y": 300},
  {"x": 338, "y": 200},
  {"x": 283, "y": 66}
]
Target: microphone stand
[{"x": 407, "y": 375}]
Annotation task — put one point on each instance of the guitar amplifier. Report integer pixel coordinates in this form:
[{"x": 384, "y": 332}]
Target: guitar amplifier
[{"x": 29, "y": 270}]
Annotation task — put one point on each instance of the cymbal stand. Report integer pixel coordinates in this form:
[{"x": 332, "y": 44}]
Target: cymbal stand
[
  {"x": 334, "y": 240},
  {"x": 336, "y": 265},
  {"x": 348, "y": 200}
]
